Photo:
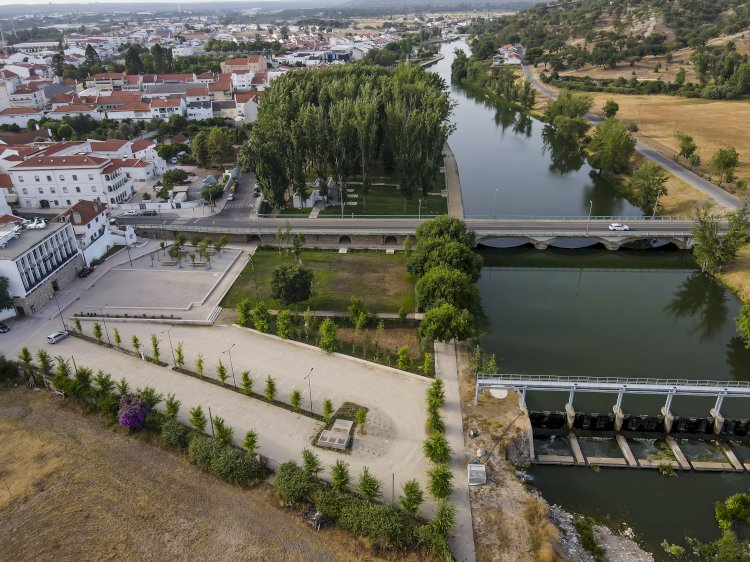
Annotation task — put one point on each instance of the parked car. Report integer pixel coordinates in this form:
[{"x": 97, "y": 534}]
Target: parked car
[
  {"x": 230, "y": 197},
  {"x": 130, "y": 213},
  {"x": 4, "y": 328},
  {"x": 55, "y": 337},
  {"x": 149, "y": 213},
  {"x": 85, "y": 272},
  {"x": 174, "y": 160},
  {"x": 618, "y": 226},
  {"x": 256, "y": 191}
]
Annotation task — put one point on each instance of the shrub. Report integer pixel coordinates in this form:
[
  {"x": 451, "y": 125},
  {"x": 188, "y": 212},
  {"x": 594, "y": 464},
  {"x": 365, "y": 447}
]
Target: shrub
[
  {"x": 327, "y": 332},
  {"x": 331, "y": 502},
  {"x": 77, "y": 322},
  {"x": 174, "y": 434},
  {"x": 436, "y": 448},
  {"x": 202, "y": 450},
  {"x": 361, "y": 417},
  {"x": 327, "y": 410},
  {"x": 270, "y": 391},
  {"x": 440, "y": 481},
  {"x": 261, "y": 319},
  {"x": 98, "y": 332},
  {"x": 311, "y": 462},
  {"x": 132, "y": 412},
  {"x": 221, "y": 372},
  {"x": 247, "y": 383},
  {"x": 198, "y": 419},
  {"x": 172, "y": 406},
  {"x": 294, "y": 399},
  {"x": 427, "y": 366},
  {"x": 223, "y": 431},
  {"x": 284, "y": 324},
  {"x": 250, "y": 442},
  {"x": 234, "y": 466},
  {"x": 435, "y": 423},
  {"x": 412, "y": 498},
  {"x": 293, "y": 484},
  {"x": 369, "y": 486},
  {"x": 340, "y": 475},
  {"x": 385, "y": 524},
  {"x": 403, "y": 361},
  {"x": 436, "y": 395}
]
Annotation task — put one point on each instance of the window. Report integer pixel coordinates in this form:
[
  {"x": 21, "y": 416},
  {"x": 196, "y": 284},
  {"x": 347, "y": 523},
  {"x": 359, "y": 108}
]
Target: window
[
  {"x": 24, "y": 191},
  {"x": 49, "y": 178},
  {"x": 41, "y": 191},
  {"x": 62, "y": 177},
  {"x": 75, "y": 177},
  {"x": 56, "y": 204},
  {"x": 93, "y": 189},
  {"x": 65, "y": 189},
  {"x": 78, "y": 189},
  {"x": 52, "y": 190},
  {"x": 91, "y": 176},
  {"x": 36, "y": 178},
  {"x": 20, "y": 178},
  {"x": 67, "y": 202}
]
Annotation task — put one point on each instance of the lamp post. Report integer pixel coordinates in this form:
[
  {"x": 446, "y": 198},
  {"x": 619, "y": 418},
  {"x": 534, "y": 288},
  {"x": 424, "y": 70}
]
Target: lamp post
[
  {"x": 229, "y": 351},
  {"x": 309, "y": 387},
  {"x": 588, "y": 220},
  {"x": 75, "y": 367},
  {"x": 656, "y": 203},
  {"x": 169, "y": 336},
  {"x": 59, "y": 311},
  {"x": 494, "y": 207},
  {"x": 106, "y": 331}
]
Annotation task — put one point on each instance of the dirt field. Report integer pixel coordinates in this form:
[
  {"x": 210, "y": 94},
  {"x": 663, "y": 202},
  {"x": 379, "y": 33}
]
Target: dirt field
[
  {"x": 737, "y": 274},
  {"x": 73, "y": 489}
]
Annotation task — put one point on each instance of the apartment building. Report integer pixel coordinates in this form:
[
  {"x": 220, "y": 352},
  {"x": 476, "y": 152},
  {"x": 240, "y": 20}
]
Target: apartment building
[
  {"x": 61, "y": 181},
  {"x": 253, "y": 63}
]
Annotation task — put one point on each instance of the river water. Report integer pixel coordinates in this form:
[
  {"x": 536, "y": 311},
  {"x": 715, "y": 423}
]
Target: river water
[{"x": 596, "y": 313}]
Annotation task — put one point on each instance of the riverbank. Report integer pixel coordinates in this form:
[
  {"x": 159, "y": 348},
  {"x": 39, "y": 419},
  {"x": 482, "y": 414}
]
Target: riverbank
[
  {"x": 452, "y": 184},
  {"x": 736, "y": 275}
]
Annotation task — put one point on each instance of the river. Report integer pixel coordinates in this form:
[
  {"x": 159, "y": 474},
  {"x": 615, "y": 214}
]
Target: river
[{"x": 596, "y": 313}]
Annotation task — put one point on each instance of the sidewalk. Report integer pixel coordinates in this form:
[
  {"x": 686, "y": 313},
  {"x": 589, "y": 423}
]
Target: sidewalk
[
  {"x": 453, "y": 184},
  {"x": 446, "y": 368}
]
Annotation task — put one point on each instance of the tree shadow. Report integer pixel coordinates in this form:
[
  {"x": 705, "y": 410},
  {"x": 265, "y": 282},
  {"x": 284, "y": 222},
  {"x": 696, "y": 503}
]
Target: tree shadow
[
  {"x": 738, "y": 359},
  {"x": 701, "y": 298}
]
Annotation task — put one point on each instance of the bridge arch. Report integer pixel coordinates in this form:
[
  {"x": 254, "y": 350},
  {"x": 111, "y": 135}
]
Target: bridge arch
[
  {"x": 390, "y": 240},
  {"x": 345, "y": 240}
]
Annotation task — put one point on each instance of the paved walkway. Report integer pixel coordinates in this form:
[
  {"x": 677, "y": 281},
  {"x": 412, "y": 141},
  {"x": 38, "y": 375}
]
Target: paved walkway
[
  {"x": 446, "y": 368},
  {"x": 453, "y": 184},
  {"x": 720, "y": 196}
]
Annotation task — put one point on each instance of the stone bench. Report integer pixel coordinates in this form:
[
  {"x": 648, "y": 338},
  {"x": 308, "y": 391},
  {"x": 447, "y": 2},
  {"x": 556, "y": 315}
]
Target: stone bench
[{"x": 167, "y": 262}]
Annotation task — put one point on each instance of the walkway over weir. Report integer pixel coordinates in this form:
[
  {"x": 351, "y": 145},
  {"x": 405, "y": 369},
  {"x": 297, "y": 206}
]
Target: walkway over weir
[{"x": 619, "y": 386}]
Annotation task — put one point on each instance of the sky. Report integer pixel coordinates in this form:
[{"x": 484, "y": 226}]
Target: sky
[{"x": 25, "y": 2}]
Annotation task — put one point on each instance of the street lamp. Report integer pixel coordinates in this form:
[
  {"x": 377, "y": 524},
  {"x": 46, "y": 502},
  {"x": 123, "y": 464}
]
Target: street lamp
[
  {"x": 494, "y": 208},
  {"x": 309, "y": 387},
  {"x": 588, "y": 220},
  {"x": 101, "y": 313},
  {"x": 656, "y": 203},
  {"x": 169, "y": 336},
  {"x": 59, "y": 310},
  {"x": 229, "y": 351}
]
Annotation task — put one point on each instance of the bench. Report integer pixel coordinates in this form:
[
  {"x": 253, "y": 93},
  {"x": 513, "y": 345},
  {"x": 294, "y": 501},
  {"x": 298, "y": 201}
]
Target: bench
[{"x": 167, "y": 262}]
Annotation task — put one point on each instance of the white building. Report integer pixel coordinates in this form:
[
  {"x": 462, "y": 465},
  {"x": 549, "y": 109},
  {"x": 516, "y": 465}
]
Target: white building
[
  {"x": 19, "y": 116},
  {"x": 37, "y": 262},
  {"x": 61, "y": 181},
  {"x": 74, "y": 110},
  {"x": 242, "y": 81},
  {"x": 90, "y": 223}
]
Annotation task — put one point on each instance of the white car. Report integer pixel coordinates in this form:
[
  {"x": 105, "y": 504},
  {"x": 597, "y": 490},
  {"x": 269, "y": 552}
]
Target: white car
[
  {"x": 618, "y": 226},
  {"x": 230, "y": 197},
  {"x": 130, "y": 213},
  {"x": 55, "y": 337}
]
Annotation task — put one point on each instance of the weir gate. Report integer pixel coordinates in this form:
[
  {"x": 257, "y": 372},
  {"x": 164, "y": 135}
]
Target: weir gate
[{"x": 712, "y": 442}]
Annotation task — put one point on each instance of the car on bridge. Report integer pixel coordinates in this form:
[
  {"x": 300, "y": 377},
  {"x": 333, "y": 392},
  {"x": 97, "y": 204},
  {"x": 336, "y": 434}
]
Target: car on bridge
[{"x": 618, "y": 226}]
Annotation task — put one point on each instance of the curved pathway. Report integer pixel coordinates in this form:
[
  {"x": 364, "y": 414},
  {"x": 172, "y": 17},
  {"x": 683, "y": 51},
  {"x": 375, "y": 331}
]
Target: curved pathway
[{"x": 704, "y": 186}]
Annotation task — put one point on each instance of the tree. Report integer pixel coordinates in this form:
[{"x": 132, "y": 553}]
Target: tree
[
  {"x": 444, "y": 518},
  {"x": 440, "y": 481},
  {"x": 327, "y": 333},
  {"x": 295, "y": 397},
  {"x": 311, "y": 462},
  {"x": 219, "y": 145},
  {"x": 250, "y": 442},
  {"x": 687, "y": 145},
  {"x": 173, "y": 177},
  {"x": 133, "y": 63},
  {"x": 284, "y": 324},
  {"x": 723, "y": 162},
  {"x": 246, "y": 384},
  {"x": 6, "y": 301},
  {"x": 340, "y": 476},
  {"x": 45, "y": 362},
  {"x": 298, "y": 243},
  {"x": 261, "y": 318},
  {"x": 446, "y": 228},
  {"x": 427, "y": 365},
  {"x": 568, "y": 105},
  {"x": 610, "y": 109},
  {"x": 369, "y": 486},
  {"x": 403, "y": 361},
  {"x": 223, "y": 431},
  {"x": 171, "y": 406},
  {"x": 136, "y": 344},
  {"x": 291, "y": 284},
  {"x": 712, "y": 249},
  {"x": 199, "y": 148},
  {"x": 155, "y": 347},
  {"x": 26, "y": 359},
  {"x": 91, "y": 56},
  {"x": 611, "y": 146},
  {"x": 433, "y": 252},
  {"x": 446, "y": 322},
  {"x": 436, "y": 448},
  {"x": 221, "y": 372},
  {"x": 442, "y": 284},
  {"x": 97, "y": 331},
  {"x": 327, "y": 410},
  {"x": 199, "y": 365},
  {"x": 412, "y": 498},
  {"x": 179, "y": 355},
  {"x": 116, "y": 336},
  {"x": 648, "y": 183},
  {"x": 270, "y": 390},
  {"x": 361, "y": 417}
]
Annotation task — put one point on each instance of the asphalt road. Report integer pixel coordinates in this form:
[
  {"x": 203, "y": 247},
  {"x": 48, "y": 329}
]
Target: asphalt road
[{"x": 704, "y": 186}]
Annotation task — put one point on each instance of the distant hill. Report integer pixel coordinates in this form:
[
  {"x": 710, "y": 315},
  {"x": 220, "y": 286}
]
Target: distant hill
[{"x": 403, "y": 5}]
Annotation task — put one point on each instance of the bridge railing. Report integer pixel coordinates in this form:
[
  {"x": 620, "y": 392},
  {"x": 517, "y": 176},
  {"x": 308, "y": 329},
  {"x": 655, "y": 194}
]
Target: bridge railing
[
  {"x": 622, "y": 381},
  {"x": 576, "y": 218}
]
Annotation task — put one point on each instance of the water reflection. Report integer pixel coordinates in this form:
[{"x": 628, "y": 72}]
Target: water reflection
[
  {"x": 600, "y": 192},
  {"x": 738, "y": 359},
  {"x": 701, "y": 298},
  {"x": 566, "y": 154},
  {"x": 523, "y": 125},
  {"x": 505, "y": 116}
]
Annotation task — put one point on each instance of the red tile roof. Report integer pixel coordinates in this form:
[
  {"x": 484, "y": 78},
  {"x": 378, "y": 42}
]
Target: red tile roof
[
  {"x": 75, "y": 161},
  {"x": 73, "y": 107},
  {"x": 137, "y": 106},
  {"x": 82, "y": 212},
  {"x": 5, "y": 181},
  {"x": 171, "y": 102},
  {"x": 111, "y": 145},
  {"x": 139, "y": 145},
  {"x": 19, "y": 111}
]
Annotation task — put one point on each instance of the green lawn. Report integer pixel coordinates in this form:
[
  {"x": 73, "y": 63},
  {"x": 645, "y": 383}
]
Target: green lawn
[
  {"x": 379, "y": 279},
  {"x": 387, "y": 200}
]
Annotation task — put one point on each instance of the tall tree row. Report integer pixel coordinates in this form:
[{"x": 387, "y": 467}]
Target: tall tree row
[{"x": 341, "y": 121}]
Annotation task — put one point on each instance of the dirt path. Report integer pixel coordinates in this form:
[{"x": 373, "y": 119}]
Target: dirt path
[{"x": 72, "y": 489}]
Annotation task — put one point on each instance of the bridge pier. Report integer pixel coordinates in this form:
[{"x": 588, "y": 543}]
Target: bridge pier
[
  {"x": 617, "y": 410},
  {"x": 541, "y": 245},
  {"x": 667, "y": 413},
  {"x": 716, "y": 415}
]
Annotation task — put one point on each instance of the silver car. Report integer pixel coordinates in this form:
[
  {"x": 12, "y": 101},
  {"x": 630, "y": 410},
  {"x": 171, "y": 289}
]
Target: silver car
[{"x": 55, "y": 337}]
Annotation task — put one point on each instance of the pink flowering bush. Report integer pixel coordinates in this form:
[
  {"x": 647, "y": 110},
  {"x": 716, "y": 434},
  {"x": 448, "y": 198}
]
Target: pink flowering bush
[{"x": 132, "y": 413}]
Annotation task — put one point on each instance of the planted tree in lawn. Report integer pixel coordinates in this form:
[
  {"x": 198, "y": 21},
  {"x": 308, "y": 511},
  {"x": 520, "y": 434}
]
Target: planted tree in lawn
[
  {"x": 291, "y": 284},
  {"x": 611, "y": 146},
  {"x": 244, "y": 312},
  {"x": 443, "y": 284},
  {"x": 311, "y": 462},
  {"x": 369, "y": 486},
  {"x": 412, "y": 497},
  {"x": 270, "y": 390},
  {"x": 294, "y": 399},
  {"x": 440, "y": 481},
  {"x": 687, "y": 145},
  {"x": 198, "y": 419},
  {"x": 223, "y": 431},
  {"x": 327, "y": 410},
  {"x": 250, "y": 442},
  {"x": 340, "y": 477},
  {"x": 446, "y": 322},
  {"x": 723, "y": 162},
  {"x": 247, "y": 383},
  {"x": 648, "y": 184}
]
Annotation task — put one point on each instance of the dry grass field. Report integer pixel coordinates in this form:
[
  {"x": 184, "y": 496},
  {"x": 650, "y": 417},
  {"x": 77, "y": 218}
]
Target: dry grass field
[
  {"x": 73, "y": 489},
  {"x": 736, "y": 275}
]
